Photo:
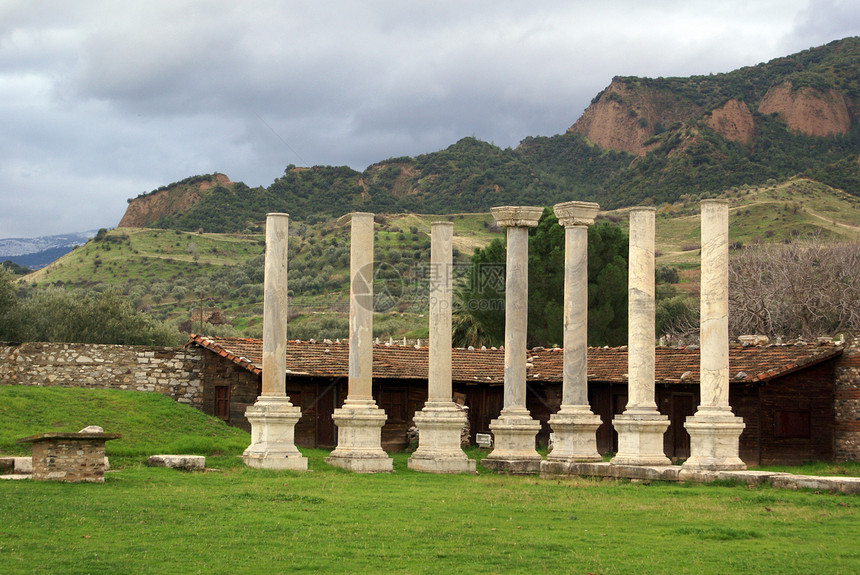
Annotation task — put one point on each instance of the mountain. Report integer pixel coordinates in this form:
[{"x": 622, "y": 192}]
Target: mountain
[
  {"x": 642, "y": 140},
  {"x": 35, "y": 253}
]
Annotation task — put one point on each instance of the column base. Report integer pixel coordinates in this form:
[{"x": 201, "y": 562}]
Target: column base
[
  {"x": 439, "y": 427},
  {"x": 273, "y": 422},
  {"x": 574, "y": 429},
  {"x": 359, "y": 438},
  {"x": 714, "y": 441},
  {"x": 514, "y": 443},
  {"x": 640, "y": 438}
]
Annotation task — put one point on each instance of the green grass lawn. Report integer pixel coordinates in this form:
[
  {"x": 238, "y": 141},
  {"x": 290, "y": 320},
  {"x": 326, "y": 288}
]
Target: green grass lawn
[{"x": 242, "y": 520}]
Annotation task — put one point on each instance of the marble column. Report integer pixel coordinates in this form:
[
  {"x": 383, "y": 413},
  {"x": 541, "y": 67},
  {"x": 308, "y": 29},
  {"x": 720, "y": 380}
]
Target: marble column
[
  {"x": 273, "y": 418},
  {"x": 574, "y": 426},
  {"x": 514, "y": 431},
  {"x": 359, "y": 422},
  {"x": 441, "y": 421},
  {"x": 714, "y": 430},
  {"x": 641, "y": 427}
]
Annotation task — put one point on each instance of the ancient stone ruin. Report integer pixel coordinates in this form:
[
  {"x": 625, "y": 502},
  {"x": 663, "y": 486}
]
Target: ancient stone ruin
[{"x": 714, "y": 429}]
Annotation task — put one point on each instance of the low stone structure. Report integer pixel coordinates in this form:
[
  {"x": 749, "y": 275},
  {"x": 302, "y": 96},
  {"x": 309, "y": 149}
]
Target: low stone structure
[
  {"x": 175, "y": 372},
  {"x": 186, "y": 462},
  {"x": 777, "y": 479},
  {"x": 69, "y": 457}
]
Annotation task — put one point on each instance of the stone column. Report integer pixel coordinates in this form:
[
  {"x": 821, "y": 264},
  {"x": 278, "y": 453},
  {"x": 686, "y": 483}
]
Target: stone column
[
  {"x": 574, "y": 426},
  {"x": 273, "y": 418},
  {"x": 641, "y": 427},
  {"x": 714, "y": 430},
  {"x": 359, "y": 422},
  {"x": 514, "y": 431},
  {"x": 441, "y": 421}
]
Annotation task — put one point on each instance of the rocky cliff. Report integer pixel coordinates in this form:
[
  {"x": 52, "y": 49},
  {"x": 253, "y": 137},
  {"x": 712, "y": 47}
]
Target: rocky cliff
[
  {"x": 808, "y": 111},
  {"x": 145, "y": 210},
  {"x": 627, "y": 113}
]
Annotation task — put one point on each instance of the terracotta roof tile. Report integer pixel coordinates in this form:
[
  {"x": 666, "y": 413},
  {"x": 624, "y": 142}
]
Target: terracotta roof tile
[{"x": 331, "y": 359}]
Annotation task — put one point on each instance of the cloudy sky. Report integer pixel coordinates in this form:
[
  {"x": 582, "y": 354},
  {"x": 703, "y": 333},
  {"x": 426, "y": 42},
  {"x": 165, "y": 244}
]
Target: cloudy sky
[{"x": 103, "y": 100}]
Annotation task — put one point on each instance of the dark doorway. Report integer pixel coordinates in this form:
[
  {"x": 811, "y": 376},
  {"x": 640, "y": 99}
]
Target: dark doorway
[
  {"x": 683, "y": 405},
  {"x": 325, "y": 409}
]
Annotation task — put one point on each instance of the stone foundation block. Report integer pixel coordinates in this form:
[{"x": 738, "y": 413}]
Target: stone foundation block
[
  {"x": 574, "y": 435},
  {"x": 650, "y": 472},
  {"x": 186, "y": 462},
  {"x": 514, "y": 435},
  {"x": 273, "y": 422},
  {"x": 849, "y": 485},
  {"x": 359, "y": 443},
  {"x": 640, "y": 439}
]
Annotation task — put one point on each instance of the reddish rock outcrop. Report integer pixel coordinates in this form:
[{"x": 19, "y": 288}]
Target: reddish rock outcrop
[
  {"x": 626, "y": 115},
  {"x": 145, "y": 210},
  {"x": 807, "y": 110},
  {"x": 733, "y": 121}
]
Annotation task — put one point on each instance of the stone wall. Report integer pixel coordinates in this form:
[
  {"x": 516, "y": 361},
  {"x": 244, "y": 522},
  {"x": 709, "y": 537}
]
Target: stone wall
[
  {"x": 846, "y": 440},
  {"x": 175, "y": 372}
]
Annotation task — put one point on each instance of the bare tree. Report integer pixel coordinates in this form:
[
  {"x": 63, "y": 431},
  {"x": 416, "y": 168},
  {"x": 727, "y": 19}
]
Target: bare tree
[{"x": 801, "y": 289}]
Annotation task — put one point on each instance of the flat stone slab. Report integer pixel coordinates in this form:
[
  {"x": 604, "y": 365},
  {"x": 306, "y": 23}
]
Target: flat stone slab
[
  {"x": 849, "y": 485},
  {"x": 186, "y": 462},
  {"x": 16, "y": 465}
]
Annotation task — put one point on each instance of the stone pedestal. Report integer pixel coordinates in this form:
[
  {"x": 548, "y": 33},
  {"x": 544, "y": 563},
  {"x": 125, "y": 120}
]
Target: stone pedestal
[
  {"x": 714, "y": 441},
  {"x": 574, "y": 430},
  {"x": 359, "y": 438},
  {"x": 272, "y": 417},
  {"x": 440, "y": 422},
  {"x": 273, "y": 422},
  {"x": 641, "y": 427},
  {"x": 439, "y": 425},
  {"x": 714, "y": 430},
  {"x": 514, "y": 435},
  {"x": 574, "y": 427},
  {"x": 640, "y": 438},
  {"x": 514, "y": 431},
  {"x": 359, "y": 422}
]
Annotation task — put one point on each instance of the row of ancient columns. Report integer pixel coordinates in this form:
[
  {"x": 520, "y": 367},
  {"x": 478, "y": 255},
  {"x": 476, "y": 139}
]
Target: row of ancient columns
[{"x": 714, "y": 430}]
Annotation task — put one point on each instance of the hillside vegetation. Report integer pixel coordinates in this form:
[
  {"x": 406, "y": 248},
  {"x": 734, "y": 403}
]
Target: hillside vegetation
[
  {"x": 641, "y": 140},
  {"x": 175, "y": 275}
]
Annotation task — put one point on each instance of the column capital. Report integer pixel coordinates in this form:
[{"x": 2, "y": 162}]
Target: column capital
[
  {"x": 517, "y": 216},
  {"x": 576, "y": 213}
]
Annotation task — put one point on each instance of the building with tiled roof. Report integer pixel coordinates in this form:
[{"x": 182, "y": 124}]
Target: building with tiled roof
[{"x": 785, "y": 393}]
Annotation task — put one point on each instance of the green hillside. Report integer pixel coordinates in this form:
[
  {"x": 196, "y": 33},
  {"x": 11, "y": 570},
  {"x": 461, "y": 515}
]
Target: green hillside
[
  {"x": 684, "y": 155},
  {"x": 149, "y": 423},
  {"x": 172, "y": 274}
]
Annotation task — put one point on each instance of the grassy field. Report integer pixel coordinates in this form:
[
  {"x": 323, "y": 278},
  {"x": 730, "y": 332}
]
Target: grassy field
[{"x": 240, "y": 520}]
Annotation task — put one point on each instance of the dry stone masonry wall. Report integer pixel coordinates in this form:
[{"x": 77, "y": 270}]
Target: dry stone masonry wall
[
  {"x": 175, "y": 372},
  {"x": 847, "y": 403}
]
